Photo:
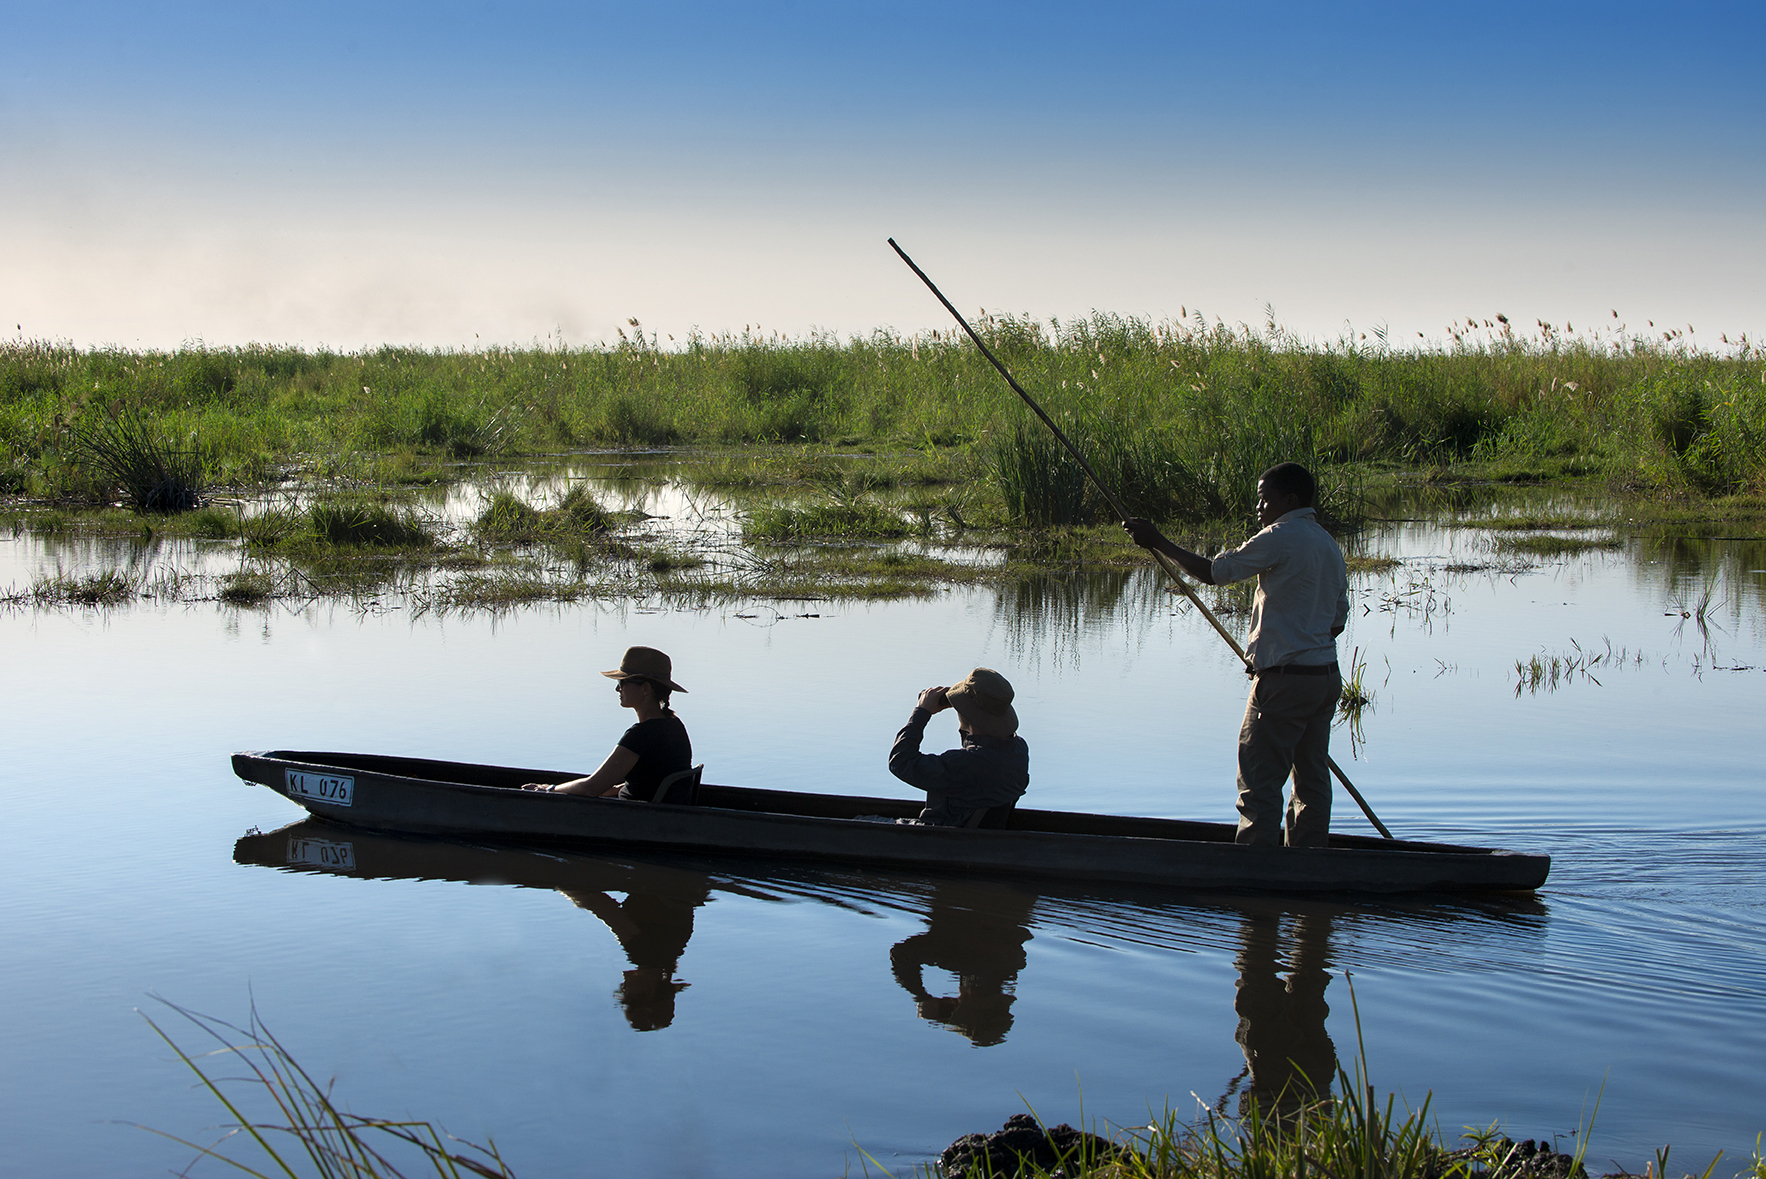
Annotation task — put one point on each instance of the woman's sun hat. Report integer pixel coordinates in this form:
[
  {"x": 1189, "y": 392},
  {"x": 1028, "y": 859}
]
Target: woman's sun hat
[
  {"x": 984, "y": 699},
  {"x": 647, "y": 663}
]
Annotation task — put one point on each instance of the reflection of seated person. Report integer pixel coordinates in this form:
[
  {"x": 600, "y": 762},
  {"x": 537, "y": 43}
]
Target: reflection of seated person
[
  {"x": 650, "y": 750},
  {"x": 1288, "y": 1052},
  {"x": 977, "y": 932},
  {"x": 989, "y": 773},
  {"x": 653, "y": 929}
]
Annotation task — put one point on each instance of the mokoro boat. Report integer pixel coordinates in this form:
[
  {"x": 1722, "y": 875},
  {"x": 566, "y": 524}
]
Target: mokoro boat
[{"x": 486, "y": 802}]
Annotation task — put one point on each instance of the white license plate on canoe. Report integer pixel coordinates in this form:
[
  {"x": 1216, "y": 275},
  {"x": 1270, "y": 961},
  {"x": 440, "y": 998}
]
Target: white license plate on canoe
[
  {"x": 331, "y": 788},
  {"x": 322, "y": 853}
]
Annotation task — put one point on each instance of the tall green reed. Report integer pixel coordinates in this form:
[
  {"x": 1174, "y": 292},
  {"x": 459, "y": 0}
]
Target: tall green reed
[
  {"x": 301, "y": 1129},
  {"x": 154, "y": 473}
]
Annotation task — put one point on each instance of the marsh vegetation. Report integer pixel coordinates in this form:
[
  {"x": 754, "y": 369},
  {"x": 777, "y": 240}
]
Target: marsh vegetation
[
  {"x": 1182, "y": 413},
  {"x": 886, "y": 465}
]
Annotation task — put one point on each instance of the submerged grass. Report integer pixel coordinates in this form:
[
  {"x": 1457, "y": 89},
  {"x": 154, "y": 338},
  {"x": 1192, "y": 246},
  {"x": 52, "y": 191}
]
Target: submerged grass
[
  {"x": 849, "y": 518},
  {"x": 1548, "y": 671},
  {"x": 1533, "y": 522},
  {"x": 1557, "y": 546},
  {"x": 112, "y": 587}
]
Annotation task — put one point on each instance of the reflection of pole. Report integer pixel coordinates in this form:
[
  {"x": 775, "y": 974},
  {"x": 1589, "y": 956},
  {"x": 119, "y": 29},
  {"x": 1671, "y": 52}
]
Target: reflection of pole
[
  {"x": 1288, "y": 1053},
  {"x": 1116, "y": 506}
]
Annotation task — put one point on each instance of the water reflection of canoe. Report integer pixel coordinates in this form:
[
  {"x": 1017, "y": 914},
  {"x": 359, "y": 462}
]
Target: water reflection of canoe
[
  {"x": 454, "y": 798},
  {"x": 653, "y": 923},
  {"x": 975, "y": 929}
]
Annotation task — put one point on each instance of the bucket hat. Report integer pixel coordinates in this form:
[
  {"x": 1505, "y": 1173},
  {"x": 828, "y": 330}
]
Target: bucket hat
[
  {"x": 984, "y": 699},
  {"x": 645, "y": 663}
]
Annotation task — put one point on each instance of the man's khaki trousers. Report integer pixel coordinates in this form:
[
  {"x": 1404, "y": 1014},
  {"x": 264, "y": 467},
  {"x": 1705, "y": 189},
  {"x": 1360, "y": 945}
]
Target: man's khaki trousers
[{"x": 1287, "y": 729}]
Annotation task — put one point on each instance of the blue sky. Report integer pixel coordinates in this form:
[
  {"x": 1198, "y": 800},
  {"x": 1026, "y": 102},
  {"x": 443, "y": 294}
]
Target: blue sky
[{"x": 450, "y": 173}]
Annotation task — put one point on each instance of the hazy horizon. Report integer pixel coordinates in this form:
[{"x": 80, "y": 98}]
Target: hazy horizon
[{"x": 469, "y": 175}]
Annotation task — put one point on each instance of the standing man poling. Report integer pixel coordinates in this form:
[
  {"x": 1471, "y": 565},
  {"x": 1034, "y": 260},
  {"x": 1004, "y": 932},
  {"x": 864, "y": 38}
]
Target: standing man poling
[{"x": 1301, "y": 607}]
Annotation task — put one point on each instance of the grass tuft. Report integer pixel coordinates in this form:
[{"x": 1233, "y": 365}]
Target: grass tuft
[
  {"x": 1040, "y": 482},
  {"x": 303, "y": 1122},
  {"x": 854, "y": 518},
  {"x": 508, "y": 519},
  {"x": 113, "y": 587},
  {"x": 379, "y": 525},
  {"x": 269, "y": 528},
  {"x": 246, "y": 589},
  {"x": 214, "y": 523},
  {"x": 581, "y": 508},
  {"x": 152, "y": 474}
]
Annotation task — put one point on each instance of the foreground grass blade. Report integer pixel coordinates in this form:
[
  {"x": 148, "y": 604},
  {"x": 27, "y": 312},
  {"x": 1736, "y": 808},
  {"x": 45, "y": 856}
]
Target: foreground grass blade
[{"x": 335, "y": 1144}]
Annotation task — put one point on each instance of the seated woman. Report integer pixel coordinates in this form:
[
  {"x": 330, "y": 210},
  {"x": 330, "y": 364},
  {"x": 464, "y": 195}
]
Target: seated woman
[
  {"x": 991, "y": 770},
  {"x": 650, "y": 750}
]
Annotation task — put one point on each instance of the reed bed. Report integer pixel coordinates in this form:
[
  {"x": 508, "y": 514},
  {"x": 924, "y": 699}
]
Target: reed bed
[{"x": 1184, "y": 412}]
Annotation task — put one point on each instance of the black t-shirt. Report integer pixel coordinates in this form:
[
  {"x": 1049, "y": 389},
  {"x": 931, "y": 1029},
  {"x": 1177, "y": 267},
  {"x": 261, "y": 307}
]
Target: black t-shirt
[{"x": 662, "y": 748}]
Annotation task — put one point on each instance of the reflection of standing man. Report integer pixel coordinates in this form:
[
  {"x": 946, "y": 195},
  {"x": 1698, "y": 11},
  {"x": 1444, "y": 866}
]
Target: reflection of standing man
[
  {"x": 1288, "y": 1052},
  {"x": 977, "y": 932},
  {"x": 1302, "y": 605},
  {"x": 653, "y": 928}
]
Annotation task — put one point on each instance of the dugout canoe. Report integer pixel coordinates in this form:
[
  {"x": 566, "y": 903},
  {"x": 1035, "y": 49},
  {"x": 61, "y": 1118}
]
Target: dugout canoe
[{"x": 486, "y": 802}]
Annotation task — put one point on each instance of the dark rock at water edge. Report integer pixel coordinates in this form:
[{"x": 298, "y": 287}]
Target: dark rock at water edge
[
  {"x": 1522, "y": 1160},
  {"x": 1023, "y": 1147}
]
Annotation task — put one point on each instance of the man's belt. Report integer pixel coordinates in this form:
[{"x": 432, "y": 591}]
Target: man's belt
[{"x": 1299, "y": 669}]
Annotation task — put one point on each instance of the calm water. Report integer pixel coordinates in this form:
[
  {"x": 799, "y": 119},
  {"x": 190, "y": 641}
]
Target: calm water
[{"x": 539, "y": 999}]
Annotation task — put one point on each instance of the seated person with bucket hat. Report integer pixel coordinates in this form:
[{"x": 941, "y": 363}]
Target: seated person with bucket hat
[
  {"x": 650, "y": 750},
  {"x": 978, "y": 784}
]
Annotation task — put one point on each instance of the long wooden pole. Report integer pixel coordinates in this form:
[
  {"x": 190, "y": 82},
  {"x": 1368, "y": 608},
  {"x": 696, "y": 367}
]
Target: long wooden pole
[{"x": 1116, "y": 505}]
